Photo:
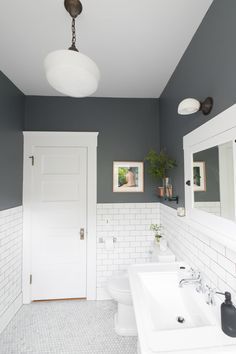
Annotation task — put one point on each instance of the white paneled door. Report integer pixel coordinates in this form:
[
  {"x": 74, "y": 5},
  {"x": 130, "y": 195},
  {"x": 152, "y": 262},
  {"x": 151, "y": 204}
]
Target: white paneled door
[{"x": 59, "y": 222}]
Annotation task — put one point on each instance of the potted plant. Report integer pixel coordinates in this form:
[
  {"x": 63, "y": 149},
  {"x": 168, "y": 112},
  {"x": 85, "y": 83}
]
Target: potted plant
[
  {"x": 158, "y": 229},
  {"x": 159, "y": 164}
]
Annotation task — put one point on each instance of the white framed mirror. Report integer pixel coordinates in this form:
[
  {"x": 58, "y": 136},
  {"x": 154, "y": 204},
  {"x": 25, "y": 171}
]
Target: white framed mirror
[{"x": 210, "y": 176}]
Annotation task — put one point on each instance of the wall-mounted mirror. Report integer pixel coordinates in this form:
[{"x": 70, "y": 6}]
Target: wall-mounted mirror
[
  {"x": 210, "y": 176},
  {"x": 213, "y": 180}
]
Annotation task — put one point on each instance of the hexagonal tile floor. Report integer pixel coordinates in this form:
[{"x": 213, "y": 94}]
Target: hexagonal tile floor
[{"x": 65, "y": 327}]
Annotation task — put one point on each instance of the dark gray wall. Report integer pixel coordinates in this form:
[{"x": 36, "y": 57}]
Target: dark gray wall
[
  {"x": 127, "y": 128},
  {"x": 11, "y": 143},
  {"x": 208, "y": 68},
  {"x": 211, "y": 159}
]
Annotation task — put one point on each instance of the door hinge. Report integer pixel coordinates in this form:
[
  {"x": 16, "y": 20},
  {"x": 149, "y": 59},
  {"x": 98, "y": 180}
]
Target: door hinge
[
  {"x": 31, "y": 279},
  {"x": 32, "y": 160}
]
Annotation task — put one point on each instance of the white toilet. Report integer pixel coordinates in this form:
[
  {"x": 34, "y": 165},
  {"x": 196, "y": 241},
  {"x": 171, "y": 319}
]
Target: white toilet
[{"x": 119, "y": 289}]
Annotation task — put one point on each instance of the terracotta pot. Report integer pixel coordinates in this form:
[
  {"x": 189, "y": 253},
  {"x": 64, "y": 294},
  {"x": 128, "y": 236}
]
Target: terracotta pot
[{"x": 161, "y": 191}]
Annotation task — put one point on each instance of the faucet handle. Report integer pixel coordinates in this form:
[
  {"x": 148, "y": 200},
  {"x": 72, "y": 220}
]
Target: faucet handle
[
  {"x": 210, "y": 295},
  {"x": 201, "y": 287}
]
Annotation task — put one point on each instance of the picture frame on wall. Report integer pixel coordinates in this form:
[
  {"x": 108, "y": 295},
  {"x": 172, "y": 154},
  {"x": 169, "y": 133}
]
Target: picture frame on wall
[
  {"x": 128, "y": 176},
  {"x": 199, "y": 176}
]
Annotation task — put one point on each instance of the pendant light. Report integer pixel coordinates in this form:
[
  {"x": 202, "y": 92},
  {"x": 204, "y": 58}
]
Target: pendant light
[{"x": 69, "y": 71}]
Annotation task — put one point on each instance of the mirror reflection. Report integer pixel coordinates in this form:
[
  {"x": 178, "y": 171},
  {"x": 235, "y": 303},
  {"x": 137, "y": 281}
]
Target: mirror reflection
[{"x": 213, "y": 180}]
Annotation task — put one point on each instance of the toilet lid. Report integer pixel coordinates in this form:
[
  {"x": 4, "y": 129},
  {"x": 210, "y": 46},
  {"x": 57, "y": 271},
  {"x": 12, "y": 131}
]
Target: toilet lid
[{"x": 120, "y": 284}]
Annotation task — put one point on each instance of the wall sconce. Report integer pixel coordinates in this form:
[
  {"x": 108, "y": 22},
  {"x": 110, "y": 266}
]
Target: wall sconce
[{"x": 191, "y": 105}]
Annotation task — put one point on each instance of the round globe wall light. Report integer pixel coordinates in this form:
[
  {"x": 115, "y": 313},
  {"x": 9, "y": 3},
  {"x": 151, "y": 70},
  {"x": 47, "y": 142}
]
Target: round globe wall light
[{"x": 191, "y": 105}]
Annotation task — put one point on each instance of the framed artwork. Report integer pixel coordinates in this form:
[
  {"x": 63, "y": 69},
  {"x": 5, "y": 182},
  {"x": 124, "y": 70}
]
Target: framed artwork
[
  {"x": 128, "y": 176},
  {"x": 199, "y": 176}
]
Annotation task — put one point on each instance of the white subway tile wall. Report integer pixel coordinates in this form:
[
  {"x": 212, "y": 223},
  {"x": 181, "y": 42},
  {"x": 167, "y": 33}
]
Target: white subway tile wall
[
  {"x": 210, "y": 207},
  {"x": 10, "y": 260},
  {"x": 191, "y": 244},
  {"x": 129, "y": 225}
]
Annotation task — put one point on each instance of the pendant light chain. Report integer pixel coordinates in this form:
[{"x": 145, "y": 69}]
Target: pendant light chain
[
  {"x": 73, "y": 46},
  {"x": 73, "y": 32}
]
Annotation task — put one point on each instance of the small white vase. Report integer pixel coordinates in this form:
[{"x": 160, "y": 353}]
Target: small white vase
[{"x": 163, "y": 244}]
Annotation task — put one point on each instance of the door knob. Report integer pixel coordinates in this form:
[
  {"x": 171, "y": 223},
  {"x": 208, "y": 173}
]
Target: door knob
[{"x": 81, "y": 234}]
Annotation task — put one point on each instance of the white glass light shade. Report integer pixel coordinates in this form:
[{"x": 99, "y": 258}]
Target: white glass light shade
[
  {"x": 72, "y": 73},
  {"x": 189, "y": 106}
]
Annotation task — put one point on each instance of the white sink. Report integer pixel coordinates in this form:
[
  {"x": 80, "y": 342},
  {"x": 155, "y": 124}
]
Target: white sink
[
  {"x": 166, "y": 302},
  {"x": 170, "y": 318}
]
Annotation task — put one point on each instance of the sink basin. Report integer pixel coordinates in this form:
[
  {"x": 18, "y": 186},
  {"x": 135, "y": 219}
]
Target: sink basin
[
  {"x": 170, "y": 318},
  {"x": 171, "y": 307}
]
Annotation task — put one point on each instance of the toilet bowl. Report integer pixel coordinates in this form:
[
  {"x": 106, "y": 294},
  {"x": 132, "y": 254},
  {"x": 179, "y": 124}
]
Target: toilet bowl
[{"x": 119, "y": 289}]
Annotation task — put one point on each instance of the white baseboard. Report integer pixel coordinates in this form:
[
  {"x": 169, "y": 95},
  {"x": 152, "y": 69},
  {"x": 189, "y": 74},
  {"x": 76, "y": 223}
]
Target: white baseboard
[
  {"x": 102, "y": 294},
  {"x": 10, "y": 312}
]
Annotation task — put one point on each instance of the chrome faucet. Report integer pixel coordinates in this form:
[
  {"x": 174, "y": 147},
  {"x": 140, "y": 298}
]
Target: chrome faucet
[{"x": 196, "y": 278}]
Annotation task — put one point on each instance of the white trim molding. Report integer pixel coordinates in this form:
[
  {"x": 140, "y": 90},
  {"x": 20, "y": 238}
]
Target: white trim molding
[
  {"x": 219, "y": 130},
  {"x": 71, "y": 139}
]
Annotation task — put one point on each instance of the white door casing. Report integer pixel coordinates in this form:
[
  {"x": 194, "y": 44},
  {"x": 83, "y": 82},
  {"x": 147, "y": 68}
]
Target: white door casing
[{"x": 39, "y": 194}]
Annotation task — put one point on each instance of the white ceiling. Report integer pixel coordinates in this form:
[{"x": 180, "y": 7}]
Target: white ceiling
[{"x": 136, "y": 44}]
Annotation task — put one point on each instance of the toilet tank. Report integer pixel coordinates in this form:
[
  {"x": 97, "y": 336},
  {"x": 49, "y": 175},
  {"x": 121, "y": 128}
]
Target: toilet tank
[{"x": 161, "y": 256}]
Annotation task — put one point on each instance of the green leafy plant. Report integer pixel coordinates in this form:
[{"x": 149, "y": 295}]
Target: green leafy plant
[
  {"x": 158, "y": 228},
  {"x": 159, "y": 164},
  {"x": 122, "y": 175}
]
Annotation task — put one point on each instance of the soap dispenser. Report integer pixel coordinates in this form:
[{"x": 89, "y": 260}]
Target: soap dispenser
[{"x": 228, "y": 316}]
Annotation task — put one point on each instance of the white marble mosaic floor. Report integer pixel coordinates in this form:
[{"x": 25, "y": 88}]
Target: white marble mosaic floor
[{"x": 65, "y": 327}]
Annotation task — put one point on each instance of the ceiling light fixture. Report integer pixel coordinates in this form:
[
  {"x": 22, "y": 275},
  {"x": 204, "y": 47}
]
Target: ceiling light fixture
[
  {"x": 191, "y": 105},
  {"x": 69, "y": 71}
]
